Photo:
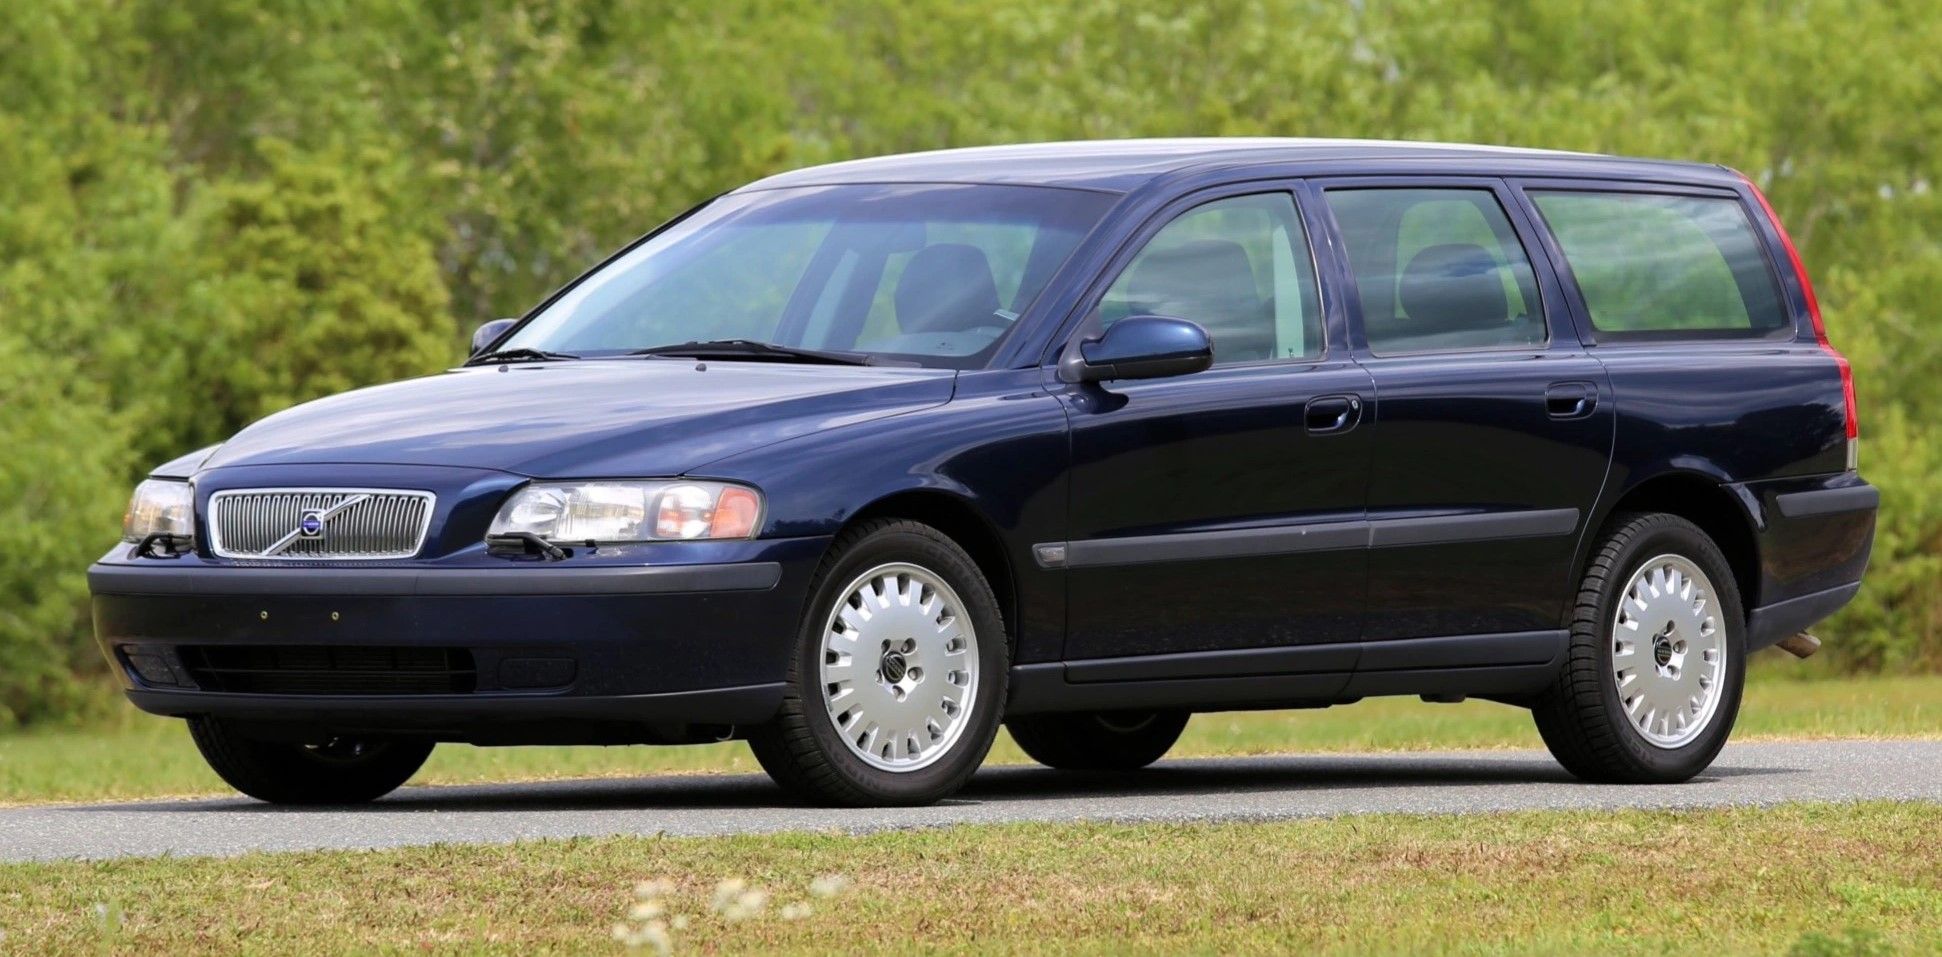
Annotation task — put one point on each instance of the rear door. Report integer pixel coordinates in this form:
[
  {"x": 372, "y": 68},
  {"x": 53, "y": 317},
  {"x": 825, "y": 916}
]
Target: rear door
[{"x": 1494, "y": 432}]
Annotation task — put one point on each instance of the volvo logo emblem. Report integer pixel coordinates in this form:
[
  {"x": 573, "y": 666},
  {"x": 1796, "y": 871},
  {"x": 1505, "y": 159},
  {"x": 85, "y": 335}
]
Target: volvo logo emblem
[
  {"x": 894, "y": 667},
  {"x": 311, "y": 523}
]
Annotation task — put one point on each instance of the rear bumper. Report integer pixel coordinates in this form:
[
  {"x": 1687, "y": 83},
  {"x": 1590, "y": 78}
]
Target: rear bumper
[
  {"x": 1814, "y": 538},
  {"x": 1769, "y": 624},
  {"x": 486, "y": 650}
]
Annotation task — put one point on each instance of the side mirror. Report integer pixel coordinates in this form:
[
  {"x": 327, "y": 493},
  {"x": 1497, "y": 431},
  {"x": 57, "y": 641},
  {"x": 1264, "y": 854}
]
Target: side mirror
[
  {"x": 1144, "y": 347},
  {"x": 490, "y": 333}
]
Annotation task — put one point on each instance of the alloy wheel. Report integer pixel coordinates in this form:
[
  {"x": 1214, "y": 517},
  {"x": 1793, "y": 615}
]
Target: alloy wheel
[
  {"x": 1668, "y": 651},
  {"x": 899, "y": 667}
]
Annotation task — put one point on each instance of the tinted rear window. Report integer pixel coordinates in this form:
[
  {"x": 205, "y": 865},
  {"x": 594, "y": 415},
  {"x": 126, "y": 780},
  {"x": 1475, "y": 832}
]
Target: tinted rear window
[
  {"x": 1655, "y": 266},
  {"x": 1438, "y": 269}
]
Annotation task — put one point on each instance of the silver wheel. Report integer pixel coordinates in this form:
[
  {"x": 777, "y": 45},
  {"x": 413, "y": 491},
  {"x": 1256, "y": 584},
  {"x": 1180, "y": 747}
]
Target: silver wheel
[
  {"x": 1668, "y": 651},
  {"x": 899, "y": 667}
]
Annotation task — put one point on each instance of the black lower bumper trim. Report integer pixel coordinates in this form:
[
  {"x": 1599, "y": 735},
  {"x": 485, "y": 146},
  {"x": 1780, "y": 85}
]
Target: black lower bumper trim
[
  {"x": 462, "y": 717},
  {"x": 1770, "y": 623},
  {"x": 1829, "y": 501},
  {"x": 162, "y": 579}
]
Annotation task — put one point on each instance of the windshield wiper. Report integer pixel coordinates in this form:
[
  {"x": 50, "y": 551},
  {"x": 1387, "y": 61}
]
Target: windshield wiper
[
  {"x": 758, "y": 351},
  {"x": 519, "y": 355}
]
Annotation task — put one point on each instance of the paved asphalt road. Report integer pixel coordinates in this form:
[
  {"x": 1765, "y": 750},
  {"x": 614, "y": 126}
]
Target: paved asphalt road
[{"x": 1196, "y": 790}]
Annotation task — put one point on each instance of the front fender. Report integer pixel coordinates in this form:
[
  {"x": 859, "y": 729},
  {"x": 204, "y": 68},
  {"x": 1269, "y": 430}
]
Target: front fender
[{"x": 999, "y": 448}]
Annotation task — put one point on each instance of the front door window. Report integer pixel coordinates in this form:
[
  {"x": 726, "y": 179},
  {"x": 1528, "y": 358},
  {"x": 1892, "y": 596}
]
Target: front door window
[{"x": 1239, "y": 267}]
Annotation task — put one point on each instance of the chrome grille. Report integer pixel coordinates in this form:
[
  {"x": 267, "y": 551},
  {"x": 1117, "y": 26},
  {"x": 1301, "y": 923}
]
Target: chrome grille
[{"x": 350, "y": 524}]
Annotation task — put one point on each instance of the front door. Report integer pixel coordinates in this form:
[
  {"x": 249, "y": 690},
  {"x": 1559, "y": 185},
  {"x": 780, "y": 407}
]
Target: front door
[
  {"x": 1495, "y": 429},
  {"x": 1220, "y": 511}
]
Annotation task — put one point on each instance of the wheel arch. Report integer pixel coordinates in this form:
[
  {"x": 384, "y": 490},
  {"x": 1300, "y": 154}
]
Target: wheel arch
[
  {"x": 957, "y": 517},
  {"x": 1708, "y": 502}
]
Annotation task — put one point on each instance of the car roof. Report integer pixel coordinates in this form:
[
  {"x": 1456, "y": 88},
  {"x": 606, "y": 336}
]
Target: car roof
[{"x": 1124, "y": 165}]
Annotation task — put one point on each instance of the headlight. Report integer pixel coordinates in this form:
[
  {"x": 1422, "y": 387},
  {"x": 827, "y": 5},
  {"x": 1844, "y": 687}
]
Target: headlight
[
  {"x": 160, "y": 507},
  {"x": 630, "y": 511}
]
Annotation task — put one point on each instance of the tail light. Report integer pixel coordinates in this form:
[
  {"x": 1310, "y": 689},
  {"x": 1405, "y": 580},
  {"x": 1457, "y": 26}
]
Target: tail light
[{"x": 1820, "y": 328}]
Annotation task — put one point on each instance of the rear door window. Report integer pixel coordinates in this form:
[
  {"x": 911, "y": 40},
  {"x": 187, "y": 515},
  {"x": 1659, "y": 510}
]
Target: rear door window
[
  {"x": 1661, "y": 266},
  {"x": 1438, "y": 269}
]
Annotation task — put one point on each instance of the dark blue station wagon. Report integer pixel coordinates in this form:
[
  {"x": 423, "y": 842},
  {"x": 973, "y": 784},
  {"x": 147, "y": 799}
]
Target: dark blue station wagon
[{"x": 858, "y": 462}]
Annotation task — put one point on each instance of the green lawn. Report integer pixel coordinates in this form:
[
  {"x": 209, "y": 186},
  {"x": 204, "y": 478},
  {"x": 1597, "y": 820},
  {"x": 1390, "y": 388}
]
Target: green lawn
[
  {"x": 140, "y": 756},
  {"x": 1799, "y": 879}
]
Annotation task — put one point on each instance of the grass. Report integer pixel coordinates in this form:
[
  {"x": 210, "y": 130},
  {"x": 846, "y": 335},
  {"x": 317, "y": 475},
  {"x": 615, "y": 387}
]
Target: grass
[
  {"x": 1808, "y": 879},
  {"x": 138, "y": 756}
]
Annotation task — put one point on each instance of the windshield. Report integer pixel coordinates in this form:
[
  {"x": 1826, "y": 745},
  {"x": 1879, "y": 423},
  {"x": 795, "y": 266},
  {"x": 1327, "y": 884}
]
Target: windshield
[{"x": 932, "y": 274}]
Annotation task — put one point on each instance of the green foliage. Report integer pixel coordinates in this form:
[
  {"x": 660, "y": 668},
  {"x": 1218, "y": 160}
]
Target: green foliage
[
  {"x": 56, "y": 512},
  {"x": 210, "y": 209},
  {"x": 1853, "y": 942},
  {"x": 308, "y": 285}
]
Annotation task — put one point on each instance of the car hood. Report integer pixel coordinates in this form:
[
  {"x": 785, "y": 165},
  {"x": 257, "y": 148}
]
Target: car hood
[{"x": 591, "y": 418}]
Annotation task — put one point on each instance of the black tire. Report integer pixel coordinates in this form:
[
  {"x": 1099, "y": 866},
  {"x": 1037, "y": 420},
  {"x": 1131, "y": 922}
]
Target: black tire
[
  {"x": 340, "y": 771},
  {"x": 1098, "y": 740},
  {"x": 1581, "y": 717},
  {"x": 801, "y": 748}
]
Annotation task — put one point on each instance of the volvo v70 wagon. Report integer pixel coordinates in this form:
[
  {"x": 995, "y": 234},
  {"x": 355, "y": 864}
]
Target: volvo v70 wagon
[{"x": 858, "y": 462}]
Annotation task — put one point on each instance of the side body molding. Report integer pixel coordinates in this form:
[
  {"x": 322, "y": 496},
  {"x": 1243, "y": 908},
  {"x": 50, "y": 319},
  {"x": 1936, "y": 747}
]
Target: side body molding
[{"x": 1307, "y": 537}]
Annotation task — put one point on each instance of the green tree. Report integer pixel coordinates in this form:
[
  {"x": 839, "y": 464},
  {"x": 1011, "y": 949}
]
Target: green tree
[
  {"x": 60, "y": 512},
  {"x": 311, "y": 284}
]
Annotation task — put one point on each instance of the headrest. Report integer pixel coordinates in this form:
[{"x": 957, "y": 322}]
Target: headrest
[
  {"x": 1454, "y": 286},
  {"x": 1207, "y": 281},
  {"x": 947, "y": 287}
]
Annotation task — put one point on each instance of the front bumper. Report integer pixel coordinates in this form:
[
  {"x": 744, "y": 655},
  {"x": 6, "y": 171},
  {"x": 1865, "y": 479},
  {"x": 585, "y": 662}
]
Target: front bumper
[{"x": 637, "y": 648}]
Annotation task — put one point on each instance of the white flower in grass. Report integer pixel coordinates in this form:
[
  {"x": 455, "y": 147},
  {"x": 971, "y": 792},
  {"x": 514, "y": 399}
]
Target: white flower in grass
[
  {"x": 736, "y": 900},
  {"x": 655, "y": 934},
  {"x": 749, "y": 904},
  {"x": 727, "y": 893},
  {"x": 107, "y": 918},
  {"x": 652, "y": 934},
  {"x": 646, "y": 924},
  {"x": 648, "y": 890},
  {"x": 828, "y": 885}
]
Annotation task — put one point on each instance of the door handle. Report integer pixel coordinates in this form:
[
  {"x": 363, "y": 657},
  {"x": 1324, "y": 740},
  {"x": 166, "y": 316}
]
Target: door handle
[
  {"x": 1570, "y": 400},
  {"x": 1332, "y": 414}
]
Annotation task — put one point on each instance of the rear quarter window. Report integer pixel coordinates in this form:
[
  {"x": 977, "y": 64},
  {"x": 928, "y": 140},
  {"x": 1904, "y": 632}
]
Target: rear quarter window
[{"x": 1658, "y": 266}]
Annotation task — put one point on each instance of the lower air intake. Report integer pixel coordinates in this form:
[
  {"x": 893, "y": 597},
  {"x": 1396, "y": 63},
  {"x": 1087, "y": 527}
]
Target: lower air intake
[{"x": 329, "y": 670}]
